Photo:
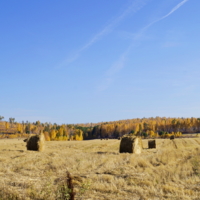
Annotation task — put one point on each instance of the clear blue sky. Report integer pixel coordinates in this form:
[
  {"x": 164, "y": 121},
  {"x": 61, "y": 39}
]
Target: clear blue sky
[{"x": 91, "y": 61}]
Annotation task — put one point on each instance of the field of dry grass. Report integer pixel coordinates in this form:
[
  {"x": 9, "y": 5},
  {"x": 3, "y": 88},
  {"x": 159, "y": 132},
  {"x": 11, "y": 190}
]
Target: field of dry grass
[{"x": 171, "y": 171}]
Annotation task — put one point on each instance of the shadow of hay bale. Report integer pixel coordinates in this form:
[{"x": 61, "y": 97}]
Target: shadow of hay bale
[
  {"x": 152, "y": 144},
  {"x": 172, "y": 137},
  {"x": 101, "y": 152}
]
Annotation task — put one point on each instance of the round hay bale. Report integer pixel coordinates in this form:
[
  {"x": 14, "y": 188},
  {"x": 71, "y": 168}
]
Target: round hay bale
[
  {"x": 172, "y": 137},
  {"x": 130, "y": 144},
  {"x": 152, "y": 144},
  {"x": 35, "y": 142}
]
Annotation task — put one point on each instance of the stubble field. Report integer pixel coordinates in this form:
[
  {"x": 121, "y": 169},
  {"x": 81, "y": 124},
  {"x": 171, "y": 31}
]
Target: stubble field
[{"x": 171, "y": 171}]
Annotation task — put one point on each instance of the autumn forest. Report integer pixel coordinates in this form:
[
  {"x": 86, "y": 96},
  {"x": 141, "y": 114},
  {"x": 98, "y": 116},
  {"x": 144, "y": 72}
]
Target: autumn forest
[{"x": 145, "y": 127}]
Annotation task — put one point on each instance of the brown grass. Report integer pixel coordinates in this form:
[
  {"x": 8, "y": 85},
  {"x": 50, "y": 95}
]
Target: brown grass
[{"x": 171, "y": 171}]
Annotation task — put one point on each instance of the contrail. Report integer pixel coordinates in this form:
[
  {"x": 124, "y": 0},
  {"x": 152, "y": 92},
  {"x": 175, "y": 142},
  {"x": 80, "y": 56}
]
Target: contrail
[
  {"x": 133, "y": 8},
  {"x": 121, "y": 62},
  {"x": 175, "y": 8},
  {"x": 167, "y": 15}
]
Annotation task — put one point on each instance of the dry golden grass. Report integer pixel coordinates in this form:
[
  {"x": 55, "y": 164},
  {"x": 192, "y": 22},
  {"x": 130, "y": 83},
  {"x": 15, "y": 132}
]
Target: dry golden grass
[{"x": 171, "y": 171}]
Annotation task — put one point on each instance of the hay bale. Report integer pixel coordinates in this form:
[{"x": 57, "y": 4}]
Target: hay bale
[
  {"x": 172, "y": 137},
  {"x": 152, "y": 144},
  {"x": 130, "y": 144},
  {"x": 35, "y": 142}
]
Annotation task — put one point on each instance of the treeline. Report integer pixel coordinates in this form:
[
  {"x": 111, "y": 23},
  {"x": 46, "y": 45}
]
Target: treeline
[
  {"x": 51, "y": 131},
  {"x": 145, "y": 127}
]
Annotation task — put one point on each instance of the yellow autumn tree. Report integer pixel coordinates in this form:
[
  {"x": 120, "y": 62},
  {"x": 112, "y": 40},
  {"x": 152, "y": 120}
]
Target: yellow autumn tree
[
  {"x": 60, "y": 132},
  {"x": 152, "y": 133},
  {"x": 19, "y": 128},
  {"x": 7, "y": 125},
  {"x": 52, "y": 134},
  {"x": 47, "y": 137},
  {"x": 136, "y": 129},
  {"x": 78, "y": 134},
  {"x": 65, "y": 134}
]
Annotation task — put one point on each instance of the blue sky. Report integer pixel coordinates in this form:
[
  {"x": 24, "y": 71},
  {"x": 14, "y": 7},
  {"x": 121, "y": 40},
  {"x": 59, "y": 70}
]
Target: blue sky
[{"x": 85, "y": 61}]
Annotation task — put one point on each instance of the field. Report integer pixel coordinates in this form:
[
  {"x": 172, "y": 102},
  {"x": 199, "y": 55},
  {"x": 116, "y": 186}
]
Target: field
[{"x": 171, "y": 171}]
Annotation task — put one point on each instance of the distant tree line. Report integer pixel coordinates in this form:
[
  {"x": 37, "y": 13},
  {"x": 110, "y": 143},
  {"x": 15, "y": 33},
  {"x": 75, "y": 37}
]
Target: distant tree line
[{"x": 145, "y": 127}]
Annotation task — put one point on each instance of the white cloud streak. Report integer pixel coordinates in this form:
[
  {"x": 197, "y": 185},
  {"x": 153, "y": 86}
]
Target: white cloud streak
[
  {"x": 114, "y": 69},
  {"x": 167, "y": 15},
  {"x": 133, "y": 8},
  {"x": 175, "y": 8},
  {"x": 121, "y": 62}
]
